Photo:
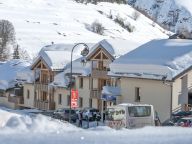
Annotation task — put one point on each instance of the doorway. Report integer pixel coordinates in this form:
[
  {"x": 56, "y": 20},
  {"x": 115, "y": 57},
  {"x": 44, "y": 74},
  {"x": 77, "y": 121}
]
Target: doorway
[{"x": 190, "y": 98}]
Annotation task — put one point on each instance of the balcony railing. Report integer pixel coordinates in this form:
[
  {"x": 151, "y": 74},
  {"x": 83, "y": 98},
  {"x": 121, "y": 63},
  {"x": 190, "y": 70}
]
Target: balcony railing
[
  {"x": 43, "y": 87},
  {"x": 95, "y": 93},
  {"x": 44, "y": 105},
  {"x": 99, "y": 73},
  {"x": 16, "y": 99}
]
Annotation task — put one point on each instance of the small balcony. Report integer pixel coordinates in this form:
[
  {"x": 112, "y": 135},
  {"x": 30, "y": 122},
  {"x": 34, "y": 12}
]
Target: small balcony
[
  {"x": 16, "y": 99},
  {"x": 99, "y": 73},
  {"x": 95, "y": 93},
  {"x": 43, "y": 87},
  {"x": 44, "y": 105}
]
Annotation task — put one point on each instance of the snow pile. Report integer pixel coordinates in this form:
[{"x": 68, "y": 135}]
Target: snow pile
[
  {"x": 18, "y": 128},
  {"x": 39, "y": 23},
  {"x": 155, "y": 59},
  {"x": 9, "y": 71}
]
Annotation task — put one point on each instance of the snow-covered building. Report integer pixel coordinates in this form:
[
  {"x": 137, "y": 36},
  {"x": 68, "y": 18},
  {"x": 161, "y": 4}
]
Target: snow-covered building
[
  {"x": 158, "y": 73},
  {"x": 11, "y": 81},
  {"x": 47, "y": 91},
  {"x": 91, "y": 78}
]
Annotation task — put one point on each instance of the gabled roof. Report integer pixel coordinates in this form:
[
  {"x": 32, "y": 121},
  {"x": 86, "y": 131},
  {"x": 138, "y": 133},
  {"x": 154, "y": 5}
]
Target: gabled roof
[
  {"x": 157, "y": 59},
  {"x": 95, "y": 51},
  {"x": 56, "y": 56},
  {"x": 115, "y": 47}
]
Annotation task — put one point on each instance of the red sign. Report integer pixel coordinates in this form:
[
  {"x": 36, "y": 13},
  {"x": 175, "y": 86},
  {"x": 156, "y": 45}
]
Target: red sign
[{"x": 74, "y": 98}]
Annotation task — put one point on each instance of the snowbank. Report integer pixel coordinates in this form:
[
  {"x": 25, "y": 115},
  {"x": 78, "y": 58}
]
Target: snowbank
[{"x": 19, "y": 128}]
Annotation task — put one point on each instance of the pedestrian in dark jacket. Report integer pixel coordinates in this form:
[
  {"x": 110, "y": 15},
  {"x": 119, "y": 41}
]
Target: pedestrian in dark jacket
[{"x": 80, "y": 117}]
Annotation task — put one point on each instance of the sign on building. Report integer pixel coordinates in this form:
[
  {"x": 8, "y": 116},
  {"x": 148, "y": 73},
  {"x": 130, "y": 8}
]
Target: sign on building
[{"x": 74, "y": 98}]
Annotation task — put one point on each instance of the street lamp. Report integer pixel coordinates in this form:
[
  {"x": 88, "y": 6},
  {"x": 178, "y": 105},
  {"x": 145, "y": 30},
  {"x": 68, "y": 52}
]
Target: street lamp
[{"x": 84, "y": 53}]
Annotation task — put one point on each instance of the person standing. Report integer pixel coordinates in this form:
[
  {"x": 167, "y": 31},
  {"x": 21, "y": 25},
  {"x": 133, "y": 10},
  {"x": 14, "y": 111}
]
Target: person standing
[{"x": 80, "y": 117}]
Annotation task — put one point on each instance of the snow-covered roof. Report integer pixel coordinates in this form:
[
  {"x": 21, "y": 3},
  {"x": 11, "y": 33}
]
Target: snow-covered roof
[
  {"x": 9, "y": 71},
  {"x": 79, "y": 68},
  {"x": 57, "y": 56},
  {"x": 110, "y": 90},
  {"x": 156, "y": 59},
  {"x": 25, "y": 75},
  {"x": 112, "y": 46},
  {"x": 60, "y": 80},
  {"x": 131, "y": 104},
  {"x": 115, "y": 47}
]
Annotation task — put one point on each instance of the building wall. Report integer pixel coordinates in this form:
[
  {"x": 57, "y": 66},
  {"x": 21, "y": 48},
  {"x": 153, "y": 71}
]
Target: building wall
[
  {"x": 151, "y": 92},
  {"x": 5, "y": 103},
  {"x": 85, "y": 91},
  {"x": 95, "y": 103},
  {"x": 181, "y": 87},
  {"x": 28, "y": 102},
  {"x": 64, "y": 100},
  {"x": 95, "y": 83}
]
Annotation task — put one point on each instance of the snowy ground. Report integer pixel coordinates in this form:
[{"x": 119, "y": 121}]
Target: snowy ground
[{"x": 17, "y": 127}]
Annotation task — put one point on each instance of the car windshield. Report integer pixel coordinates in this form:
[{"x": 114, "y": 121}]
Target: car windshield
[{"x": 139, "y": 111}]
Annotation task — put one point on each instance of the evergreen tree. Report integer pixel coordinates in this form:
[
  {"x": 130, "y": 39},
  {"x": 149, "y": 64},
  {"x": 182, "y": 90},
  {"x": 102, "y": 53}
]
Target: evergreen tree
[
  {"x": 16, "y": 53},
  {"x": 7, "y": 37}
]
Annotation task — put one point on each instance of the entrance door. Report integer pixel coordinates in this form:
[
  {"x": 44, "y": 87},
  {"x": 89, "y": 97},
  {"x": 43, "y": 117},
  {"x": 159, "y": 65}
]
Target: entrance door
[{"x": 190, "y": 98}]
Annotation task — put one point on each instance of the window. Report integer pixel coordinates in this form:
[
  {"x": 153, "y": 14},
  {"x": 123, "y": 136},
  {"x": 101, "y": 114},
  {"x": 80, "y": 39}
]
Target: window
[
  {"x": 28, "y": 94},
  {"x": 137, "y": 94},
  {"x": 68, "y": 100},
  {"x": 35, "y": 95},
  {"x": 59, "y": 99},
  {"x": 139, "y": 111},
  {"x": 90, "y": 103},
  {"x": 44, "y": 96},
  {"x": 81, "y": 82},
  {"x": 18, "y": 91},
  {"x": 80, "y": 102}
]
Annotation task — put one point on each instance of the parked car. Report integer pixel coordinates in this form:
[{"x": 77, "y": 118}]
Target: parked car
[
  {"x": 182, "y": 114},
  {"x": 64, "y": 114},
  {"x": 184, "y": 122},
  {"x": 91, "y": 114}
]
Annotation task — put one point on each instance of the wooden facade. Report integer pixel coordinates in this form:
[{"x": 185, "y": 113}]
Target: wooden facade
[
  {"x": 100, "y": 60},
  {"x": 43, "y": 94}
]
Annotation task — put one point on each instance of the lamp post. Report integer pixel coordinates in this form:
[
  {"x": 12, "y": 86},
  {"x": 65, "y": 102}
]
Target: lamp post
[{"x": 84, "y": 53}]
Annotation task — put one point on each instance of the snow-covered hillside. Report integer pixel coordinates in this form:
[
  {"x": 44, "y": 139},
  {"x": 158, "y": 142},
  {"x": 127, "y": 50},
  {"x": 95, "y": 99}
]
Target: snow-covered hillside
[
  {"x": 40, "y": 22},
  {"x": 175, "y": 15},
  {"x": 17, "y": 127}
]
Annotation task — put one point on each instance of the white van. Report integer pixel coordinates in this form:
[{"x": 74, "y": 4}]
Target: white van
[{"x": 130, "y": 116}]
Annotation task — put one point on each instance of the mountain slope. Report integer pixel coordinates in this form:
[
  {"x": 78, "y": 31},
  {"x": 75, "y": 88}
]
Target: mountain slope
[
  {"x": 38, "y": 23},
  {"x": 175, "y": 15}
]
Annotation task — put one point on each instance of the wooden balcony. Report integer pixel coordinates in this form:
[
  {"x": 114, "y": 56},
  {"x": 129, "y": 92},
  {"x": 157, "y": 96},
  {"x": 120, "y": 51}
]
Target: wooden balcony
[
  {"x": 97, "y": 73},
  {"x": 16, "y": 99},
  {"x": 44, "y": 105},
  {"x": 95, "y": 93},
  {"x": 43, "y": 87}
]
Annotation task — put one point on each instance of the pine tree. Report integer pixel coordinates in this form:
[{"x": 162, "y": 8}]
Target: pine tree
[
  {"x": 7, "y": 37},
  {"x": 16, "y": 53}
]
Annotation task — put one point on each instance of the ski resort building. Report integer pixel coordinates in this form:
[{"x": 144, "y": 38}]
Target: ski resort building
[{"x": 158, "y": 73}]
